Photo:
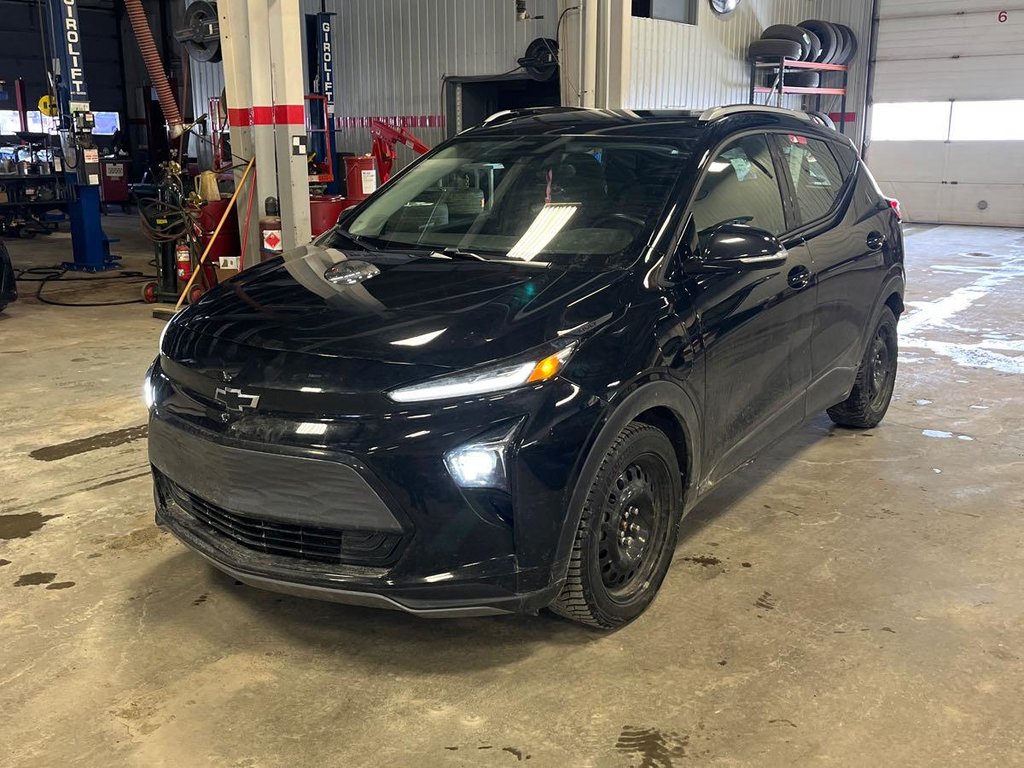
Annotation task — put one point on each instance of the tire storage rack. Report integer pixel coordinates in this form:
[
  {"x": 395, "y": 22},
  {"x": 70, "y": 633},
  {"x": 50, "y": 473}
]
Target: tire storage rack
[
  {"x": 809, "y": 59},
  {"x": 783, "y": 65}
]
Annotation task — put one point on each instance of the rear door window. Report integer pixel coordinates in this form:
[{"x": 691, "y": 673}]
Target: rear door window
[
  {"x": 740, "y": 187},
  {"x": 814, "y": 174}
]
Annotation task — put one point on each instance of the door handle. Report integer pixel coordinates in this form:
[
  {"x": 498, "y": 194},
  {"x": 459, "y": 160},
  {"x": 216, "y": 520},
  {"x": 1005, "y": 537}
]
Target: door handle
[
  {"x": 875, "y": 241},
  {"x": 799, "y": 277}
]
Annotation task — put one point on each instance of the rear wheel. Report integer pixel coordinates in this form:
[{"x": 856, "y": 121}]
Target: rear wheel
[
  {"x": 627, "y": 533},
  {"x": 876, "y": 378}
]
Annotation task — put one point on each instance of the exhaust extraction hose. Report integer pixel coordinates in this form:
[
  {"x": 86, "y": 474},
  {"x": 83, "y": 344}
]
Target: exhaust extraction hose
[{"x": 155, "y": 67}]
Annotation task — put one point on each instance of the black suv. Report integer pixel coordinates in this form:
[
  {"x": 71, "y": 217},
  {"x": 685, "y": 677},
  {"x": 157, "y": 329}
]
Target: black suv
[{"x": 499, "y": 383}]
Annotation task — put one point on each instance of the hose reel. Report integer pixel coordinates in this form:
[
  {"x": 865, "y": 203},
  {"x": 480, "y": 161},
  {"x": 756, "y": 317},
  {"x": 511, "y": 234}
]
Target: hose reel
[{"x": 200, "y": 36}]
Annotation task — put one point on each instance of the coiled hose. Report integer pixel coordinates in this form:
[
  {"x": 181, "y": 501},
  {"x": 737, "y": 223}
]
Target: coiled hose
[{"x": 155, "y": 67}]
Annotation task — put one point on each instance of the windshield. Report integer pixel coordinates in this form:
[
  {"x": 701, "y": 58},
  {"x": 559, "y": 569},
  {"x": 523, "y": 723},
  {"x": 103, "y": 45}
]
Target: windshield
[{"x": 568, "y": 201}]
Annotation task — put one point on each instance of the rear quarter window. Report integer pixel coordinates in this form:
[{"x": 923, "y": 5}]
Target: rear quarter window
[{"x": 815, "y": 174}]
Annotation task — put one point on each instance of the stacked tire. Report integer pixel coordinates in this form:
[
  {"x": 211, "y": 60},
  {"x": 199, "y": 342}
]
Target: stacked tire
[{"x": 811, "y": 40}]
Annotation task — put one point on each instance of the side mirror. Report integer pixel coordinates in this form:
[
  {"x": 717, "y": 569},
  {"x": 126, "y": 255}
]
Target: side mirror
[{"x": 739, "y": 248}]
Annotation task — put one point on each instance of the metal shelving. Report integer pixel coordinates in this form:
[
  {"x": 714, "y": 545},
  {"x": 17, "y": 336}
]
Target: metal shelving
[{"x": 762, "y": 64}]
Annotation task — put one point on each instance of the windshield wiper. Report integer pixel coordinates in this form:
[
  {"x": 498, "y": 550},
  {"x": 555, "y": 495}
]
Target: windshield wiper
[
  {"x": 362, "y": 242},
  {"x": 456, "y": 253}
]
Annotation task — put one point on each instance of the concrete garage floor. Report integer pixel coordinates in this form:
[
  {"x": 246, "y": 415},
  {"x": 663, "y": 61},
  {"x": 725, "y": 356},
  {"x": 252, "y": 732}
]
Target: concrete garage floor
[{"x": 850, "y": 599}]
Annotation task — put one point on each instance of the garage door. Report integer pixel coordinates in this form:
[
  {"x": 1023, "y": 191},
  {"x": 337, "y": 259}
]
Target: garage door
[{"x": 947, "y": 122}]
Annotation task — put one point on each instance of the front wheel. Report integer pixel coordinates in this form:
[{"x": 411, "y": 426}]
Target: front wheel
[
  {"x": 626, "y": 536},
  {"x": 876, "y": 378}
]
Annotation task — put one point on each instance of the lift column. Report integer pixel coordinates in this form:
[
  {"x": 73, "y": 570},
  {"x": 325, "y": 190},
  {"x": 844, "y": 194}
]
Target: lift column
[
  {"x": 262, "y": 45},
  {"x": 291, "y": 139},
  {"x": 81, "y": 160}
]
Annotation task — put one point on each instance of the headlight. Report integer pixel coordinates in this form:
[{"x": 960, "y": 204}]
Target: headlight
[
  {"x": 498, "y": 378},
  {"x": 483, "y": 462}
]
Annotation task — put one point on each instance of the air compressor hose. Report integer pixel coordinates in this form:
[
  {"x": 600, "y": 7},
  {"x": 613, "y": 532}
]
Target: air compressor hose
[{"x": 155, "y": 67}]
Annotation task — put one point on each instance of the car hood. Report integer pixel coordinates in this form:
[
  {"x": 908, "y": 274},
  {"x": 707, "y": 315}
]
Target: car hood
[{"x": 415, "y": 317}]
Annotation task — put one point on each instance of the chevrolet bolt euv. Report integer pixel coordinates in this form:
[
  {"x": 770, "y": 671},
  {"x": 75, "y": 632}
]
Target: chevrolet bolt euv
[{"x": 499, "y": 383}]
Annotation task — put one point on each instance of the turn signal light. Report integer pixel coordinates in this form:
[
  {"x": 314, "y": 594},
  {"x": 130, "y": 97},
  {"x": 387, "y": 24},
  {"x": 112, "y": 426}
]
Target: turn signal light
[
  {"x": 895, "y": 205},
  {"x": 546, "y": 369}
]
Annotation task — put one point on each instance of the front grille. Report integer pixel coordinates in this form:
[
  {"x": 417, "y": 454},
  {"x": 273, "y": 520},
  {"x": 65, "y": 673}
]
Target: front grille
[{"x": 304, "y": 542}]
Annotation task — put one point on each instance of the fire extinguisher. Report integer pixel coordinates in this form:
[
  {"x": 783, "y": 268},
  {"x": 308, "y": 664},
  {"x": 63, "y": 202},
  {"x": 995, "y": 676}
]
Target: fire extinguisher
[
  {"x": 271, "y": 244},
  {"x": 183, "y": 259}
]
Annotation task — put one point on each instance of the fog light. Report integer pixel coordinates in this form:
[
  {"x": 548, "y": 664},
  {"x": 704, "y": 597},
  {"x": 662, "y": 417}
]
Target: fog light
[
  {"x": 483, "y": 462},
  {"x": 476, "y": 467}
]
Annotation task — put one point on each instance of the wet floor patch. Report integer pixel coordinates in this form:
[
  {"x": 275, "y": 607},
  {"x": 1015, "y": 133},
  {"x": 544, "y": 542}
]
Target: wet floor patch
[
  {"x": 61, "y": 585},
  {"x": 34, "y": 579},
  {"x": 86, "y": 444},
  {"x": 22, "y": 526},
  {"x": 942, "y": 434}
]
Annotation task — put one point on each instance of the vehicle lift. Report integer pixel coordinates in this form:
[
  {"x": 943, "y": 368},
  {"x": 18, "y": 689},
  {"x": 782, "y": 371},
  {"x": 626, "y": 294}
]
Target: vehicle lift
[{"x": 79, "y": 158}]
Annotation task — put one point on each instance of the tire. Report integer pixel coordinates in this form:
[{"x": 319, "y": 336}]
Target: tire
[
  {"x": 789, "y": 32},
  {"x": 3, "y": 307},
  {"x": 845, "y": 44},
  {"x": 872, "y": 391},
  {"x": 815, "y": 54},
  {"x": 795, "y": 79},
  {"x": 775, "y": 49},
  {"x": 850, "y": 39},
  {"x": 827, "y": 35},
  {"x": 613, "y": 576},
  {"x": 824, "y": 119}
]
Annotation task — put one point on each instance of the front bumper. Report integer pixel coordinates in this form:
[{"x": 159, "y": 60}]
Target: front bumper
[
  {"x": 352, "y": 586},
  {"x": 262, "y": 502}
]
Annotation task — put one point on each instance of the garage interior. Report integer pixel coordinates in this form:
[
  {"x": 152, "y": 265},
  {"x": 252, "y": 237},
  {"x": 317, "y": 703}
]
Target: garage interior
[{"x": 849, "y": 598}]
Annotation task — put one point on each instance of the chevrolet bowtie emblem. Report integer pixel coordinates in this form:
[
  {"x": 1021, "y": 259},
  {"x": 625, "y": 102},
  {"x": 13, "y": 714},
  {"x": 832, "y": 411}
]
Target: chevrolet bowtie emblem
[{"x": 235, "y": 399}]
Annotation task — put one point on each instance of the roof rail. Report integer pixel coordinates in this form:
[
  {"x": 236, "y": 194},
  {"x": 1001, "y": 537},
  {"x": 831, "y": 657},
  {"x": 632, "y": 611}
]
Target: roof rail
[
  {"x": 717, "y": 113},
  {"x": 497, "y": 115},
  {"x": 509, "y": 114}
]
